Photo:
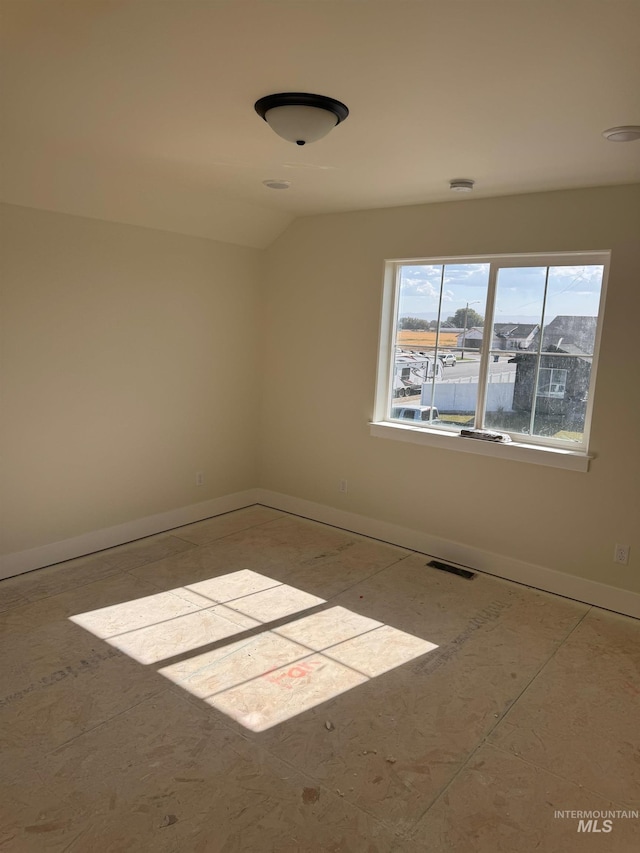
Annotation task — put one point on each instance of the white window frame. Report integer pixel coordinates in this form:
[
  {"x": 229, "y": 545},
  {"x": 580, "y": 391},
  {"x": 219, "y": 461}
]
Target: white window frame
[{"x": 522, "y": 448}]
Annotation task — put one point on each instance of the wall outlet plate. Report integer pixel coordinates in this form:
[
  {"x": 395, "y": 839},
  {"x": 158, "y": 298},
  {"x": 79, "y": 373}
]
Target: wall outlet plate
[{"x": 621, "y": 554}]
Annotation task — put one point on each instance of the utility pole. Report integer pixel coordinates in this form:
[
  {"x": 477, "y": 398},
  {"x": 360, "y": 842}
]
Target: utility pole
[{"x": 464, "y": 333}]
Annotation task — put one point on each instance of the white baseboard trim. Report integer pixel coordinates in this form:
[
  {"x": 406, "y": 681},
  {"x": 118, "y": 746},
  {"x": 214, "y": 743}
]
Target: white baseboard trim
[
  {"x": 108, "y": 537},
  {"x": 529, "y": 574}
]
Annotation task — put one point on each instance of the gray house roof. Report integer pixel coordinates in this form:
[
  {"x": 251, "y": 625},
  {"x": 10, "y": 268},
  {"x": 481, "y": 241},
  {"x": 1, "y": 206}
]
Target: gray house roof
[
  {"x": 567, "y": 335},
  {"x": 514, "y": 330},
  {"x": 570, "y": 334}
]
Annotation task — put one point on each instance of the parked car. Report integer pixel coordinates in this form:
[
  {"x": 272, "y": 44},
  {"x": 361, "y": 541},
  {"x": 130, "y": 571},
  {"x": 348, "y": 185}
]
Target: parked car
[
  {"x": 414, "y": 413},
  {"x": 448, "y": 359}
]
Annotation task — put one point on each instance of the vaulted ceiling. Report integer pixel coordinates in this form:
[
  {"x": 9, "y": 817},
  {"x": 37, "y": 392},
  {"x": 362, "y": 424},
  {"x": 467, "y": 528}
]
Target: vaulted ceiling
[{"x": 142, "y": 111}]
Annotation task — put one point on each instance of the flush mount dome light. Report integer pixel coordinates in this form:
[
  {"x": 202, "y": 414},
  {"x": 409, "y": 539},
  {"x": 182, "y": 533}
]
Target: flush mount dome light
[
  {"x": 461, "y": 185},
  {"x": 300, "y": 117},
  {"x": 625, "y": 133}
]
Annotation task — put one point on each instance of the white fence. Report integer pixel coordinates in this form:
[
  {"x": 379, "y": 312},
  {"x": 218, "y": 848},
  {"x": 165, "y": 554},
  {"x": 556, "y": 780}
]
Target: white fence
[
  {"x": 459, "y": 395},
  {"x": 507, "y": 376}
]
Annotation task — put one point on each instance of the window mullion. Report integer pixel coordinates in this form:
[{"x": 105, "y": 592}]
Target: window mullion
[
  {"x": 392, "y": 344},
  {"x": 389, "y": 311},
  {"x": 534, "y": 401},
  {"x": 437, "y": 344},
  {"x": 483, "y": 376}
]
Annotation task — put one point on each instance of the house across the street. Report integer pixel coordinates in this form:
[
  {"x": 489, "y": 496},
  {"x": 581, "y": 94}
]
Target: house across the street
[
  {"x": 506, "y": 336},
  {"x": 471, "y": 339},
  {"x": 514, "y": 335},
  {"x": 564, "y": 372}
]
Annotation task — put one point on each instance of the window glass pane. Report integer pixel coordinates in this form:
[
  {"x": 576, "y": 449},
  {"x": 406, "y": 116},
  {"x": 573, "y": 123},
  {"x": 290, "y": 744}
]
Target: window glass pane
[
  {"x": 518, "y": 309},
  {"x": 561, "y": 399},
  {"x": 510, "y": 398},
  {"x": 546, "y": 399},
  {"x": 419, "y": 298},
  {"x": 558, "y": 408},
  {"x": 573, "y": 297},
  {"x": 440, "y": 331}
]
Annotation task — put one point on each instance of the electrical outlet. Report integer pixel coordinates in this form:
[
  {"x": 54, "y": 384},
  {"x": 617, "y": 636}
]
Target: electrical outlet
[
  {"x": 621, "y": 554},
  {"x": 199, "y": 478},
  {"x": 343, "y": 487}
]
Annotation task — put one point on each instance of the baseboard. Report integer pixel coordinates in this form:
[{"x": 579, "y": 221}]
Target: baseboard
[
  {"x": 529, "y": 574},
  {"x": 98, "y": 540}
]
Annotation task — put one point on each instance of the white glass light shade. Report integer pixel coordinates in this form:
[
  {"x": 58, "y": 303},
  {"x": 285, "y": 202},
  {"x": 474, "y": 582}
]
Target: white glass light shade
[{"x": 301, "y": 124}]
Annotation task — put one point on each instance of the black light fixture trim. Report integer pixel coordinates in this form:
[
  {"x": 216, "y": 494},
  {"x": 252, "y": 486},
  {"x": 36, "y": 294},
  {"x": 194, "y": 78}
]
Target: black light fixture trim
[{"x": 301, "y": 99}]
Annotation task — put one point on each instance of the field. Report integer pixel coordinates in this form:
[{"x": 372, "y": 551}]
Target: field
[{"x": 425, "y": 340}]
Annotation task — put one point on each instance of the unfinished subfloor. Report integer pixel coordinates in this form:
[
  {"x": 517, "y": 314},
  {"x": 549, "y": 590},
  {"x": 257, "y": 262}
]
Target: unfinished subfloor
[{"x": 261, "y": 682}]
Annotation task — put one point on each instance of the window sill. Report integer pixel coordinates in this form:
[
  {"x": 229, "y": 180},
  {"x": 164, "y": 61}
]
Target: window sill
[{"x": 555, "y": 457}]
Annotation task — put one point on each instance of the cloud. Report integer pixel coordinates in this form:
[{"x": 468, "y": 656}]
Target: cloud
[
  {"x": 592, "y": 271},
  {"x": 572, "y": 289},
  {"x": 422, "y": 281},
  {"x": 469, "y": 275},
  {"x": 565, "y": 278}
]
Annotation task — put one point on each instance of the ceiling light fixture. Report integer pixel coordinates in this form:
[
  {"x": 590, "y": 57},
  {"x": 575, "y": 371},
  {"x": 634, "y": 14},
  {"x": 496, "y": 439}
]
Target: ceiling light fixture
[
  {"x": 277, "y": 185},
  {"x": 625, "y": 133},
  {"x": 461, "y": 185},
  {"x": 300, "y": 117}
]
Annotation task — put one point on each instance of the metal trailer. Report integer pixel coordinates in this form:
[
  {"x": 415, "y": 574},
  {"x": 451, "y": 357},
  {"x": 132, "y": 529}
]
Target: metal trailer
[{"x": 412, "y": 370}]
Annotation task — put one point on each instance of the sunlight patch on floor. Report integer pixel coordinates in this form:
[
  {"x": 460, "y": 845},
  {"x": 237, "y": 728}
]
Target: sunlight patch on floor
[{"x": 267, "y": 677}]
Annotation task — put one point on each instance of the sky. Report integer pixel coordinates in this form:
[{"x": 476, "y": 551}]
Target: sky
[{"x": 572, "y": 290}]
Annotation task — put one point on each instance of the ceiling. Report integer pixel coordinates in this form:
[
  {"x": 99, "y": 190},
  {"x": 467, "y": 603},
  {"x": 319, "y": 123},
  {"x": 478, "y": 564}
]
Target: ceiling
[{"x": 141, "y": 111}]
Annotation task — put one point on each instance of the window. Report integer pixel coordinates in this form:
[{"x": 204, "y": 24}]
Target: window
[
  {"x": 524, "y": 331},
  {"x": 552, "y": 382}
]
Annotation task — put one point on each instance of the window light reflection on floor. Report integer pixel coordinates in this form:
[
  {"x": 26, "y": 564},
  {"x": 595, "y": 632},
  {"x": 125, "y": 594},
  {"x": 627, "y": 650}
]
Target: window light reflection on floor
[{"x": 268, "y": 676}]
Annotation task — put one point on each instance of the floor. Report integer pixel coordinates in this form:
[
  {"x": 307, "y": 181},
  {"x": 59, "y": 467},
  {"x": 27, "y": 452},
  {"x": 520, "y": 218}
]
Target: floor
[{"x": 261, "y": 682}]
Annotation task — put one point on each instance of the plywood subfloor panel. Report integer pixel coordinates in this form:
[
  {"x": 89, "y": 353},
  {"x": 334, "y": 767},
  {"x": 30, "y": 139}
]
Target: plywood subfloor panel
[{"x": 261, "y": 682}]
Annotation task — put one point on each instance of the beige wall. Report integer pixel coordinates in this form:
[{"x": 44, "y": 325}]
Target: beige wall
[
  {"x": 128, "y": 360},
  {"x": 325, "y": 285},
  {"x": 133, "y": 358}
]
